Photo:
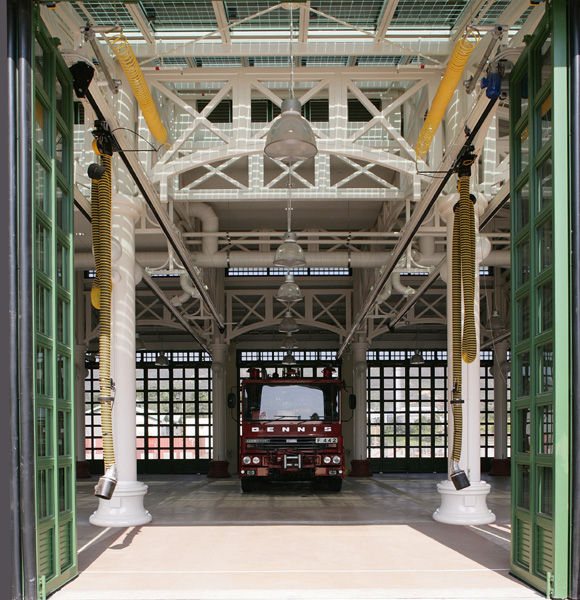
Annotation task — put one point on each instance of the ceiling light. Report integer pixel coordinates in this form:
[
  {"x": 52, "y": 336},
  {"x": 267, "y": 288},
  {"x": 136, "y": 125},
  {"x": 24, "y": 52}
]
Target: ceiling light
[
  {"x": 288, "y": 324},
  {"x": 139, "y": 343},
  {"x": 291, "y": 138},
  {"x": 417, "y": 359},
  {"x": 289, "y": 254},
  {"x": 289, "y": 290},
  {"x": 162, "y": 360},
  {"x": 495, "y": 321},
  {"x": 289, "y": 359},
  {"x": 289, "y": 343}
]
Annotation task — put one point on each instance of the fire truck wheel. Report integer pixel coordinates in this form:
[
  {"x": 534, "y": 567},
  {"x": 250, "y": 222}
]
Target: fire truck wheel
[
  {"x": 247, "y": 485},
  {"x": 335, "y": 484}
]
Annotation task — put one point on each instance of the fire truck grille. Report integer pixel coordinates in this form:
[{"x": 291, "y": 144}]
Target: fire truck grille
[{"x": 287, "y": 443}]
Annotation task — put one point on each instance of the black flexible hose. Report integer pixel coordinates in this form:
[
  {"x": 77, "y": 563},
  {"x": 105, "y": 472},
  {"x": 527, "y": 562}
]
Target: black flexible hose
[{"x": 574, "y": 85}]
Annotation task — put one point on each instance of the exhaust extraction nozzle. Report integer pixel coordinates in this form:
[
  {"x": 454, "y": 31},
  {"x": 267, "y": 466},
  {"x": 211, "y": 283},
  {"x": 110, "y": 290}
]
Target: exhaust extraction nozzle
[
  {"x": 107, "y": 483},
  {"x": 459, "y": 479}
]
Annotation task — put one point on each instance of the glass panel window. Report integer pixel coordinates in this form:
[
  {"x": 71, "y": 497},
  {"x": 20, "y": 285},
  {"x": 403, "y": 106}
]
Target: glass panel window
[
  {"x": 44, "y": 487},
  {"x": 63, "y": 218},
  {"x": 43, "y": 255},
  {"x": 62, "y": 265},
  {"x": 545, "y": 184},
  {"x": 64, "y": 433},
  {"x": 547, "y": 432},
  {"x": 546, "y": 360},
  {"x": 523, "y": 266},
  {"x": 41, "y": 178},
  {"x": 546, "y": 504},
  {"x": 524, "y": 149},
  {"x": 545, "y": 237},
  {"x": 62, "y": 377},
  {"x": 523, "y": 488},
  {"x": 40, "y": 123},
  {"x": 546, "y": 61},
  {"x": 523, "y": 373},
  {"x": 523, "y": 313},
  {"x": 43, "y": 370},
  {"x": 546, "y": 119},
  {"x": 64, "y": 494},
  {"x": 62, "y": 321},
  {"x": 546, "y": 307},
  {"x": 523, "y": 205},
  {"x": 522, "y": 92},
  {"x": 43, "y": 432},
  {"x": 524, "y": 425},
  {"x": 43, "y": 310}
]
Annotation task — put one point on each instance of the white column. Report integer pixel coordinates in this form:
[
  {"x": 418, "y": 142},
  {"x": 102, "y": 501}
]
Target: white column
[
  {"x": 360, "y": 464},
  {"x": 125, "y": 508},
  {"x": 500, "y": 370},
  {"x": 218, "y": 464},
  {"x": 467, "y": 506}
]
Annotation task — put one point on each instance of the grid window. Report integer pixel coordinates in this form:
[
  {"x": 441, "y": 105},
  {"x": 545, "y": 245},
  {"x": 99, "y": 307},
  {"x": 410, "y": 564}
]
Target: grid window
[
  {"x": 407, "y": 411},
  {"x": 173, "y": 414}
]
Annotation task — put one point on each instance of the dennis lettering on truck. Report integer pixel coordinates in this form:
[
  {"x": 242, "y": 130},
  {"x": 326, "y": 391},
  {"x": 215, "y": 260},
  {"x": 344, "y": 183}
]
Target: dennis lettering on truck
[{"x": 291, "y": 429}]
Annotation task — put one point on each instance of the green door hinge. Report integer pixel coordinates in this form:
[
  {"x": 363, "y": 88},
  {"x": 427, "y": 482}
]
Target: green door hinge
[
  {"x": 42, "y": 588},
  {"x": 549, "y": 584}
]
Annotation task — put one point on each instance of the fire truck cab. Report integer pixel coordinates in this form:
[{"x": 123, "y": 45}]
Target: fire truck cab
[{"x": 291, "y": 429}]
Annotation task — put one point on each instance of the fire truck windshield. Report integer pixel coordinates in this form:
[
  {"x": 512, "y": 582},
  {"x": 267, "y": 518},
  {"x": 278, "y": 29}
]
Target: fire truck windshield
[{"x": 290, "y": 401}]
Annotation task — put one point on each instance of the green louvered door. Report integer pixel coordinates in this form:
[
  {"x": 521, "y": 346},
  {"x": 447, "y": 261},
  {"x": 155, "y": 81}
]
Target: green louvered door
[
  {"x": 53, "y": 304},
  {"x": 540, "y": 309}
]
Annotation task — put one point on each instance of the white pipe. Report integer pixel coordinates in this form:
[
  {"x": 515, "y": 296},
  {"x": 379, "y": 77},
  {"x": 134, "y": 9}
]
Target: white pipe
[
  {"x": 189, "y": 290},
  {"x": 399, "y": 287},
  {"x": 209, "y": 224},
  {"x": 356, "y": 260}
]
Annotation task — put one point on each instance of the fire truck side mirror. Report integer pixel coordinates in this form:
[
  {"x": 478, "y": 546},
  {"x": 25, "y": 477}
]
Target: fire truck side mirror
[
  {"x": 232, "y": 400},
  {"x": 352, "y": 402}
]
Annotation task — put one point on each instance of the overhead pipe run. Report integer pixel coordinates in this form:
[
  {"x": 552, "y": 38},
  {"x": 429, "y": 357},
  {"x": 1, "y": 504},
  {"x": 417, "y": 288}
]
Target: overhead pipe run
[{"x": 356, "y": 260}]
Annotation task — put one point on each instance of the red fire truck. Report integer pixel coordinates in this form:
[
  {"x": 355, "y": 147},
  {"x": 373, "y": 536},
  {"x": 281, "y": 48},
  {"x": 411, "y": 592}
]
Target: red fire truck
[{"x": 291, "y": 429}]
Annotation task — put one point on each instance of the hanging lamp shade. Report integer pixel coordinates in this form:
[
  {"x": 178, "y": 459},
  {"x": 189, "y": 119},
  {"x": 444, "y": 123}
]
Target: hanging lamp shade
[
  {"x": 495, "y": 321},
  {"x": 162, "y": 360},
  {"x": 291, "y": 138},
  {"x": 417, "y": 359},
  {"x": 289, "y": 342},
  {"x": 289, "y": 359},
  {"x": 289, "y": 253},
  {"x": 288, "y": 324},
  {"x": 289, "y": 290}
]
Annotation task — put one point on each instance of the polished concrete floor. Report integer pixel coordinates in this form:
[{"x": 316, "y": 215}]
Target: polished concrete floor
[{"x": 375, "y": 539}]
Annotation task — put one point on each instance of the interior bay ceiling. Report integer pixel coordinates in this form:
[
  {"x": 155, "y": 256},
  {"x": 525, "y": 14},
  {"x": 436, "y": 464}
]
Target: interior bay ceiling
[{"x": 365, "y": 73}]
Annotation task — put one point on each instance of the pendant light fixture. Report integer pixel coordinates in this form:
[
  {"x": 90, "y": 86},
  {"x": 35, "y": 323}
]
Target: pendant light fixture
[
  {"x": 289, "y": 342},
  {"x": 161, "y": 360},
  {"x": 417, "y": 358},
  {"x": 288, "y": 324},
  {"x": 289, "y": 253},
  {"x": 289, "y": 290},
  {"x": 289, "y": 359},
  {"x": 291, "y": 138}
]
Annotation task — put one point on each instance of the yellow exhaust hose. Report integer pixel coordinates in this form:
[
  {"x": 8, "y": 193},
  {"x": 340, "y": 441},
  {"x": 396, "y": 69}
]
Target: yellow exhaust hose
[
  {"x": 455, "y": 67},
  {"x": 101, "y": 209},
  {"x": 132, "y": 70},
  {"x": 462, "y": 288}
]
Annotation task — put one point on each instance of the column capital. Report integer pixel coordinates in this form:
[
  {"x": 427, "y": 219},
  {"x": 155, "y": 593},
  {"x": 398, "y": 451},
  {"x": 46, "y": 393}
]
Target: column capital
[{"x": 132, "y": 206}]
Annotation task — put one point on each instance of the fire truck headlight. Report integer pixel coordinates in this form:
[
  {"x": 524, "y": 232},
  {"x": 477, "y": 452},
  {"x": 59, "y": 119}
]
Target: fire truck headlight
[
  {"x": 256, "y": 460},
  {"x": 327, "y": 460},
  {"x": 336, "y": 460},
  {"x": 246, "y": 460}
]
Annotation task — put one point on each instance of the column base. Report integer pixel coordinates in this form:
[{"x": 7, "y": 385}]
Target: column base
[
  {"x": 501, "y": 466},
  {"x": 83, "y": 470},
  {"x": 360, "y": 468},
  {"x": 464, "y": 507},
  {"x": 124, "y": 509},
  {"x": 218, "y": 469}
]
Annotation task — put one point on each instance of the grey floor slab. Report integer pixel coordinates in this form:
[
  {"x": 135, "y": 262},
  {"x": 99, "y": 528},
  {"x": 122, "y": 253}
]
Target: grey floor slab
[{"x": 375, "y": 539}]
